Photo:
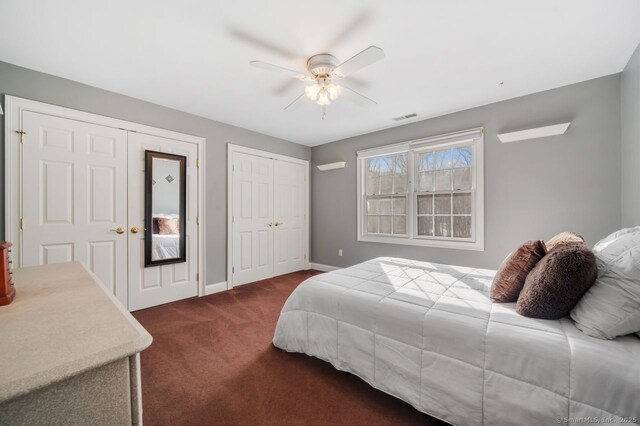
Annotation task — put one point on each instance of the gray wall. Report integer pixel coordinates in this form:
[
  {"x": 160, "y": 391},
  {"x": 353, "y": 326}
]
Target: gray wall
[
  {"x": 34, "y": 85},
  {"x": 533, "y": 189},
  {"x": 630, "y": 120}
]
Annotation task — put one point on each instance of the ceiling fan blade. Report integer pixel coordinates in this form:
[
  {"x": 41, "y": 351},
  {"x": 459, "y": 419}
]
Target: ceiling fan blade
[
  {"x": 356, "y": 82},
  {"x": 282, "y": 70},
  {"x": 260, "y": 42},
  {"x": 358, "y": 98},
  {"x": 287, "y": 86},
  {"x": 354, "y": 25},
  {"x": 295, "y": 104},
  {"x": 365, "y": 58}
]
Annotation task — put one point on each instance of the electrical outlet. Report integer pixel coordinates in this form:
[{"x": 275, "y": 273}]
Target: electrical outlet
[{"x": 339, "y": 252}]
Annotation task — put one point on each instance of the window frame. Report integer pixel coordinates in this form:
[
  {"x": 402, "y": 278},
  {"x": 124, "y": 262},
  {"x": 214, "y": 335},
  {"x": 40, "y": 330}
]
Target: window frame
[{"x": 471, "y": 137}]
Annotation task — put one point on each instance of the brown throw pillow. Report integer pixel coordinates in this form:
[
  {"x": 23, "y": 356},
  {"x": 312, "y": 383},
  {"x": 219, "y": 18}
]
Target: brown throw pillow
[
  {"x": 564, "y": 238},
  {"x": 510, "y": 278},
  {"x": 558, "y": 281},
  {"x": 155, "y": 228},
  {"x": 168, "y": 226}
]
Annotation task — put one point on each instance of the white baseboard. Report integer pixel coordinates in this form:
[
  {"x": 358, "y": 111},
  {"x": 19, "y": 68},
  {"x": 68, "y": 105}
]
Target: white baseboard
[
  {"x": 215, "y": 288},
  {"x": 321, "y": 267}
]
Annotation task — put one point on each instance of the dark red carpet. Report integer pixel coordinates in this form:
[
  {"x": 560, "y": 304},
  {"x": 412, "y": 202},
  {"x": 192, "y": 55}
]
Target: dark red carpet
[{"x": 212, "y": 363}]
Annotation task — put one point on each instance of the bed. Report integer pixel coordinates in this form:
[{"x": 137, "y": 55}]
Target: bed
[
  {"x": 165, "y": 246},
  {"x": 428, "y": 334}
]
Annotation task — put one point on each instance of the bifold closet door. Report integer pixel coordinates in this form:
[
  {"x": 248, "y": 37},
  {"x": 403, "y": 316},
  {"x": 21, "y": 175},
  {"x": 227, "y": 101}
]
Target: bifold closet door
[
  {"x": 74, "y": 197},
  {"x": 155, "y": 285},
  {"x": 252, "y": 218},
  {"x": 289, "y": 217}
]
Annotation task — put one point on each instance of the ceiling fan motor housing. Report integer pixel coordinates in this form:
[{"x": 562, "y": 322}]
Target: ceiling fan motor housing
[{"x": 322, "y": 64}]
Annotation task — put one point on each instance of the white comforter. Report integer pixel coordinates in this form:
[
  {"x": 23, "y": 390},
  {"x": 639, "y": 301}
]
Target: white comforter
[{"x": 429, "y": 334}]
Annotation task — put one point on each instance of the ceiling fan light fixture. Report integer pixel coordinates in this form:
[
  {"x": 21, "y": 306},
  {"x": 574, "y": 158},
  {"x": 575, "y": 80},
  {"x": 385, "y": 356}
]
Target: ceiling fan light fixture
[
  {"x": 312, "y": 91},
  {"x": 334, "y": 91},
  {"x": 323, "y": 97}
]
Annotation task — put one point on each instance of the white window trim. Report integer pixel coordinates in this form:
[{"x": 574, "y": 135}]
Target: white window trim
[{"x": 472, "y": 135}]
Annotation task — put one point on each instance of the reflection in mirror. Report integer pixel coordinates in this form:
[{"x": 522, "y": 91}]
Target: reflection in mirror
[{"x": 165, "y": 208}]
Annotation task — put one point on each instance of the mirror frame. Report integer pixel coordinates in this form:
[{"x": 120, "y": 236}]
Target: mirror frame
[{"x": 148, "y": 208}]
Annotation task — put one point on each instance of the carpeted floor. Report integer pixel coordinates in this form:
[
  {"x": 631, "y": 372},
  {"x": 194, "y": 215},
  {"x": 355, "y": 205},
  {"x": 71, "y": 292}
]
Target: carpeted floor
[{"x": 212, "y": 363}]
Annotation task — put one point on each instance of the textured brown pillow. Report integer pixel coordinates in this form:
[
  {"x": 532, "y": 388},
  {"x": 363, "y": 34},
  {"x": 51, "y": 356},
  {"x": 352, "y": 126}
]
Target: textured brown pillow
[
  {"x": 510, "y": 278},
  {"x": 168, "y": 226},
  {"x": 564, "y": 238},
  {"x": 558, "y": 281}
]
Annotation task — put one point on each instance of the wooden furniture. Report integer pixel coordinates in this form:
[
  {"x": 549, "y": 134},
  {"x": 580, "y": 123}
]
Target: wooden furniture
[
  {"x": 69, "y": 351},
  {"x": 7, "y": 290}
]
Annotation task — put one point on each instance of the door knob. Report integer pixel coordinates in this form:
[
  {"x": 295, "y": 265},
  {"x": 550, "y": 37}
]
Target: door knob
[
  {"x": 270, "y": 224},
  {"x": 135, "y": 229},
  {"x": 118, "y": 230},
  {"x": 278, "y": 223}
]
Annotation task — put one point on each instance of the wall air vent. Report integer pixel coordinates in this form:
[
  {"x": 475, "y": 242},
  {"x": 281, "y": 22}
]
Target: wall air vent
[{"x": 404, "y": 117}]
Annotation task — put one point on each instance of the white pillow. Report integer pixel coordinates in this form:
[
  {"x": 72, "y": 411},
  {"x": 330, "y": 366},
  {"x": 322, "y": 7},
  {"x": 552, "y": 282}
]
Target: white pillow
[{"x": 611, "y": 307}]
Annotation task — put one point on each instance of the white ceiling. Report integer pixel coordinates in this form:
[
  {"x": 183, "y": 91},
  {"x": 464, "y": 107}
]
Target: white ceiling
[{"x": 442, "y": 56}]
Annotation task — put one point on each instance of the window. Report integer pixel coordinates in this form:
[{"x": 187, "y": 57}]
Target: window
[{"x": 427, "y": 192}]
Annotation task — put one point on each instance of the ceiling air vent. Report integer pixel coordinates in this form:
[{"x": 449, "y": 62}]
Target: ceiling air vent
[{"x": 404, "y": 117}]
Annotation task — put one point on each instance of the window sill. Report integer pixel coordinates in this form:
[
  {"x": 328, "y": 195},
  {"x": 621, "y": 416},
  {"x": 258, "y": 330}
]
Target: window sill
[{"x": 456, "y": 245}]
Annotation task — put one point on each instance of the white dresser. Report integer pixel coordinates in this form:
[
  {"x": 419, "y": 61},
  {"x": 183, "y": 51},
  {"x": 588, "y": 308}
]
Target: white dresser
[{"x": 69, "y": 351}]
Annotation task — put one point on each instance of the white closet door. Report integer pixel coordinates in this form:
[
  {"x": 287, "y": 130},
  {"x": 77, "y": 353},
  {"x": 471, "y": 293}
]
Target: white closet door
[
  {"x": 289, "y": 216},
  {"x": 252, "y": 220},
  {"x": 155, "y": 285},
  {"x": 74, "y": 196}
]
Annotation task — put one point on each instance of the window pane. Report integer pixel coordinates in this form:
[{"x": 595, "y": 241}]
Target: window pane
[
  {"x": 372, "y": 224},
  {"x": 424, "y": 161},
  {"x": 425, "y": 225},
  {"x": 399, "y": 205},
  {"x": 400, "y": 164},
  {"x": 400, "y": 225},
  {"x": 443, "y": 204},
  {"x": 462, "y": 178},
  {"x": 373, "y": 184},
  {"x": 443, "y": 226},
  {"x": 443, "y": 180},
  {"x": 461, "y": 203},
  {"x": 385, "y": 205},
  {"x": 386, "y": 184},
  {"x": 462, "y": 226},
  {"x": 400, "y": 184},
  {"x": 425, "y": 204},
  {"x": 372, "y": 206},
  {"x": 425, "y": 182},
  {"x": 442, "y": 159},
  {"x": 462, "y": 157},
  {"x": 385, "y": 224}
]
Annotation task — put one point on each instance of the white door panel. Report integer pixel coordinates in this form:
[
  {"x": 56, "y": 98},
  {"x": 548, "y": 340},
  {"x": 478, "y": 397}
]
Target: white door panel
[
  {"x": 74, "y": 194},
  {"x": 252, "y": 202},
  {"x": 155, "y": 285},
  {"x": 268, "y": 217},
  {"x": 289, "y": 217}
]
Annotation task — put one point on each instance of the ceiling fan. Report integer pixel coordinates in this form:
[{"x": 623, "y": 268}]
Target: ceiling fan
[{"x": 324, "y": 72}]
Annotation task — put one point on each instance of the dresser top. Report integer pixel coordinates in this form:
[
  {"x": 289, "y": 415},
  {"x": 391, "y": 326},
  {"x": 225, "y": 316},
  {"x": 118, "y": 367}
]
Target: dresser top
[{"x": 62, "y": 322}]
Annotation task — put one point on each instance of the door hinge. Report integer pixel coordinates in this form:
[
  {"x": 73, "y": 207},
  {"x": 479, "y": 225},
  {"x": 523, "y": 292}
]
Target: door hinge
[
  {"x": 21, "y": 133},
  {"x": 198, "y": 163},
  {"x": 21, "y": 223},
  {"x": 197, "y": 220},
  {"x": 233, "y": 167},
  {"x": 305, "y": 178},
  {"x": 233, "y": 219},
  {"x": 233, "y": 269},
  {"x": 305, "y": 256},
  {"x": 198, "y": 277}
]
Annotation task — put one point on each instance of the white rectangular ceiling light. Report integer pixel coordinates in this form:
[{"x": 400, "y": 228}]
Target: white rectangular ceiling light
[
  {"x": 332, "y": 166},
  {"x": 538, "y": 132}
]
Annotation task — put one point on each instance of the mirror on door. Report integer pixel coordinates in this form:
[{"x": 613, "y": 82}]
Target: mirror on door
[{"x": 165, "y": 208}]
